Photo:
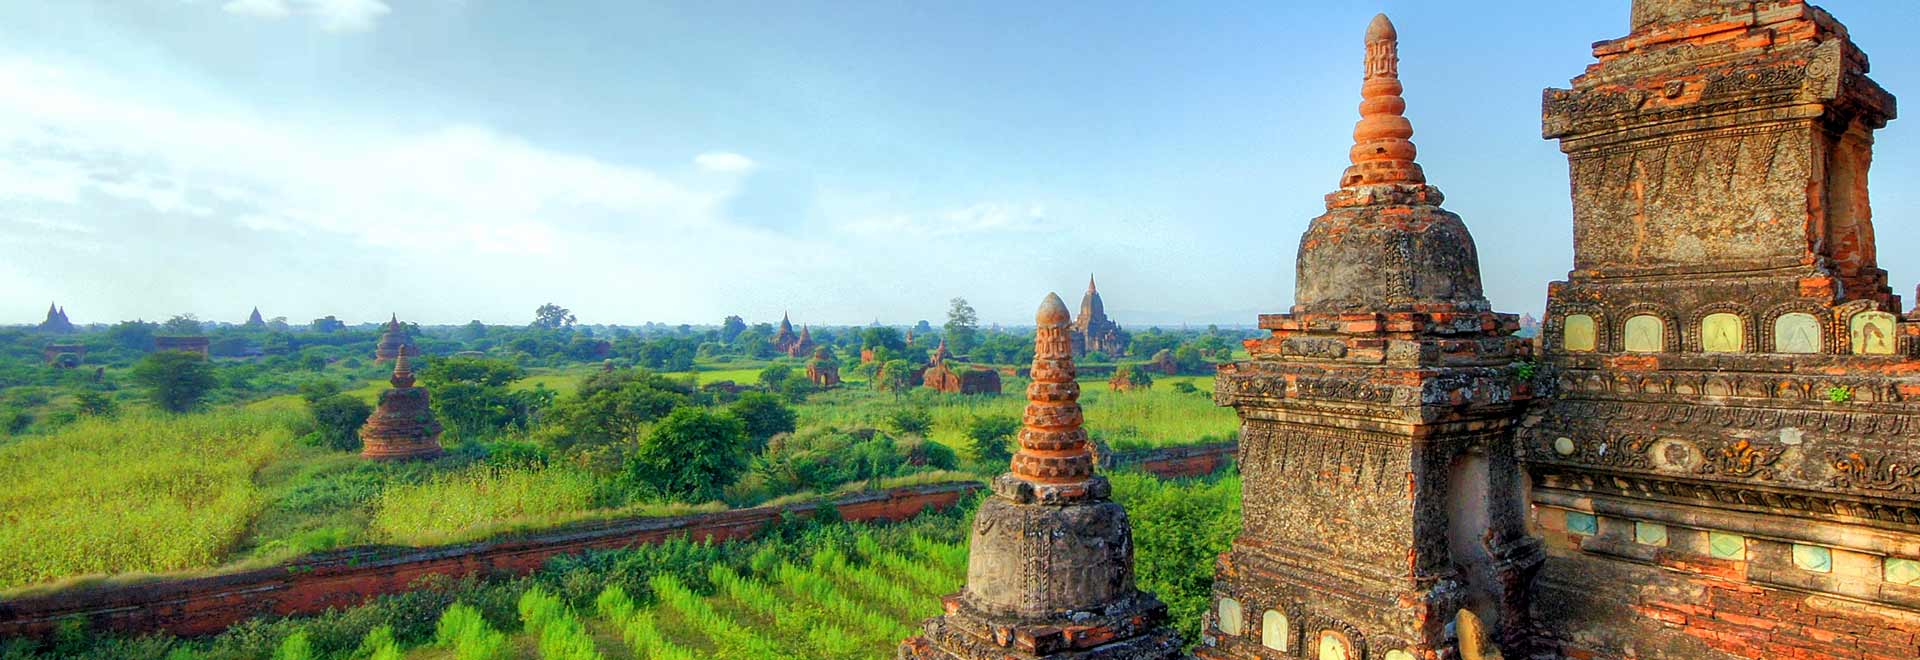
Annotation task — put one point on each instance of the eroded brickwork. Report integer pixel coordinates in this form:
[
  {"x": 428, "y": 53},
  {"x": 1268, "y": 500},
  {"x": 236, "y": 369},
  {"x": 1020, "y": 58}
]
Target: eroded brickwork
[
  {"x": 402, "y": 426},
  {"x": 1726, "y": 468},
  {"x": 1383, "y": 514},
  {"x": 1050, "y": 562}
]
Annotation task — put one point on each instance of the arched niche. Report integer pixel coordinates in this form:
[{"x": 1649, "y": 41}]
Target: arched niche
[
  {"x": 1872, "y": 333},
  {"x": 1579, "y": 333},
  {"x": 1796, "y": 332},
  {"x": 1644, "y": 333},
  {"x": 1231, "y": 621},
  {"x": 1723, "y": 332},
  {"x": 1274, "y": 631}
]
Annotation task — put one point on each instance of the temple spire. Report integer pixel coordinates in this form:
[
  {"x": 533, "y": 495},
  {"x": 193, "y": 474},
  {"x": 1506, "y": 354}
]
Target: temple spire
[
  {"x": 1382, "y": 153},
  {"x": 402, "y": 370},
  {"x": 1090, "y": 282}
]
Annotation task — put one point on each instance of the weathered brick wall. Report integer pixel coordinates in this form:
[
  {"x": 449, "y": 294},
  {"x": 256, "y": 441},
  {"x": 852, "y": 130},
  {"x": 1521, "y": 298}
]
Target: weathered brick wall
[
  {"x": 206, "y": 605},
  {"x": 199, "y": 606}
]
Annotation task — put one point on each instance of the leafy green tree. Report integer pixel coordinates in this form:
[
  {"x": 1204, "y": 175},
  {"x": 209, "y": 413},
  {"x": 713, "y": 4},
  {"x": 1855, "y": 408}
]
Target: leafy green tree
[
  {"x": 772, "y": 377},
  {"x": 990, "y": 437},
  {"x": 614, "y": 406},
  {"x": 133, "y": 335},
  {"x": 315, "y": 389},
  {"x": 338, "y": 418},
  {"x": 553, "y": 317},
  {"x": 876, "y": 339},
  {"x": 693, "y": 455},
  {"x": 963, "y": 324},
  {"x": 731, "y": 328},
  {"x": 473, "y": 331},
  {"x": 184, "y": 324},
  {"x": 471, "y": 396},
  {"x": 176, "y": 381},
  {"x": 895, "y": 377},
  {"x": 764, "y": 415}
]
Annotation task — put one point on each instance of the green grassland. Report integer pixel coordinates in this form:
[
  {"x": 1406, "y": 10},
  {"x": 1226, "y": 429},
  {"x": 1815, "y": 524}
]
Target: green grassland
[{"x": 804, "y": 589}]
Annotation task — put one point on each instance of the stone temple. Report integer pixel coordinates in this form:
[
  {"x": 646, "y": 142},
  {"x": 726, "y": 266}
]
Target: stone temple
[
  {"x": 1093, "y": 332},
  {"x": 1383, "y": 514},
  {"x": 1050, "y": 567}
]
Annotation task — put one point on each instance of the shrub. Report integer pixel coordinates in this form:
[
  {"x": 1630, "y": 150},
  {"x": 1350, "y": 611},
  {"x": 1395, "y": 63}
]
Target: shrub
[
  {"x": 338, "y": 419},
  {"x": 464, "y": 630},
  {"x": 910, "y": 420},
  {"x": 692, "y": 455},
  {"x": 990, "y": 436},
  {"x": 176, "y": 381},
  {"x": 296, "y": 647},
  {"x": 764, "y": 416}
]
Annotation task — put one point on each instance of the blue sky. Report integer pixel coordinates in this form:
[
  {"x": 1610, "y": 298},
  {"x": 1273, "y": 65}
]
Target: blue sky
[{"x": 459, "y": 159}]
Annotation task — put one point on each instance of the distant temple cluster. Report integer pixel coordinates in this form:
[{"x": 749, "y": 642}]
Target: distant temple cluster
[
  {"x": 1709, "y": 452},
  {"x": 792, "y": 345}
]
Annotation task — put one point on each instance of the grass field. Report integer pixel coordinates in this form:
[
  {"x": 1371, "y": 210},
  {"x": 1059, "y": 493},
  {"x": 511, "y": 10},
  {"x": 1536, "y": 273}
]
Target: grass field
[
  {"x": 1160, "y": 417},
  {"x": 143, "y": 493}
]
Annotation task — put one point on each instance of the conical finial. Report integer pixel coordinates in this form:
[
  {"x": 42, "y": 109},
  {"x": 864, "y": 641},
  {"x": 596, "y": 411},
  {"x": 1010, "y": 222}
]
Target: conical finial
[
  {"x": 1381, "y": 151},
  {"x": 1053, "y": 313},
  {"x": 1090, "y": 282},
  {"x": 402, "y": 369}
]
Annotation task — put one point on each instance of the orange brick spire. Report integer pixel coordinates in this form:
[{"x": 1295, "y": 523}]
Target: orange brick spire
[
  {"x": 1053, "y": 447},
  {"x": 1381, "y": 151}
]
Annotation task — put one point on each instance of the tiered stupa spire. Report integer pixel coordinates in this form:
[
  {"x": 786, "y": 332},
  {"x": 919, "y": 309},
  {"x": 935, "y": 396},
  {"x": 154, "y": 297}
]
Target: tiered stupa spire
[
  {"x": 1050, "y": 572},
  {"x": 402, "y": 426},
  {"x": 1382, "y": 152}
]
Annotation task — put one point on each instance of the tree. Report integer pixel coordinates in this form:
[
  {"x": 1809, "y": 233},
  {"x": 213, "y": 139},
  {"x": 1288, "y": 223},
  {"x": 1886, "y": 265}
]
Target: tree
[
  {"x": 912, "y": 420},
  {"x": 176, "y": 381},
  {"x": 764, "y": 415},
  {"x": 184, "y": 324},
  {"x": 771, "y": 377},
  {"x": 553, "y": 317},
  {"x": 962, "y": 326},
  {"x": 327, "y": 324},
  {"x": 731, "y": 328},
  {"x": 922, "y": 327},
  {"x": 693, "y": 455},
  {"x": 882, "y": 337},
  {"x": 896, "y": 377},
  {"x": 474, "y": 330},
  {"x": 470, "y": 395},
  {"x": 133, "y": 335},
  {"x": 338, "y": 418},
  {"x": 990, "y": 436},
  {"x": 615, "y": 406}
]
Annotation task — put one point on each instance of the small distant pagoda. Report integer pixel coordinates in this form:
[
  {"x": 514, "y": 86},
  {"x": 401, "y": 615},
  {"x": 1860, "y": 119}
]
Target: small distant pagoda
[
  {"x": 824, "y": 369},
  {"x": 1093, "y": 332},
  {"x": 254, "y": 320},
  {"x": 1050, "y": 569},
  {"x": 804, "y": 346},
  {"x": 393, "y": 342},
  {"x": 402, "y": 427},
  {"x": 784, "y": 339},
  {"x": 56, "y": 322}
]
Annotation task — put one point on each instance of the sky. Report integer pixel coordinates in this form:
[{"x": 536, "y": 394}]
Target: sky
[{"x": 449, "y": 160}]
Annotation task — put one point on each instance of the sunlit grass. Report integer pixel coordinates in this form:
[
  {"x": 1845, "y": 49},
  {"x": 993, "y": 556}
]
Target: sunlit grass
[
  {"x": 142, "y": 493},
  {"x": 483, "y": 501}
]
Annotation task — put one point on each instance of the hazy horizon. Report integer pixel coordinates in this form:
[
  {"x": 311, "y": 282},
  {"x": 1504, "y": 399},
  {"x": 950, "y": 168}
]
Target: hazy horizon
[{"x": 450, "y": 160}]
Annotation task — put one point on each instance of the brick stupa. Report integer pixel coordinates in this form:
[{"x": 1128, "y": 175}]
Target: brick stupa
[
  {"x": 1050, "y": 572},
  {"x": 402, "y": 427},
  {"x": 393, "y": 342},
  {"x": 824, "y": 369},
  {"x": 1381, "y": 494}
]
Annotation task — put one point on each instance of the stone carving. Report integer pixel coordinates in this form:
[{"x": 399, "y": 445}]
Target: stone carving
[
  {"x": 1875, "y": 472},
  {"x": 1050, "y": 567},
  {"x": 1742, "y": 459}
]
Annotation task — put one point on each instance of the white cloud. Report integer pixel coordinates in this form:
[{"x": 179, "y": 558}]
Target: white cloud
[
  {"x": 331, "y": 15},
  {"x": 272, "y": 10},
  {"x": 725, "y": 162},
  {"x": 348, "y": 15},
  {"x": 979, "y": 218}
]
